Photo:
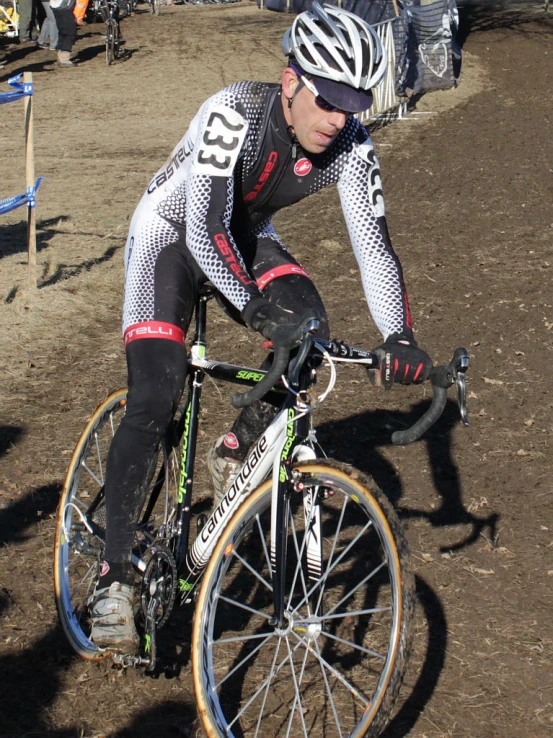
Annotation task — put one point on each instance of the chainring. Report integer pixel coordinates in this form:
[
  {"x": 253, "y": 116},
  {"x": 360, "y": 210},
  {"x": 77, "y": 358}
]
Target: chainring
[{"x": 159, "y": 585}]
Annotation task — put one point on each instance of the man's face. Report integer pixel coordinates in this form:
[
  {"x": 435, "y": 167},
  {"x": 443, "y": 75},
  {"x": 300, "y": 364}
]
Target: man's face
[{"x": 314, "y": 127}]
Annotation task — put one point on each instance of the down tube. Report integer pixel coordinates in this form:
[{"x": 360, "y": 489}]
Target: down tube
[{"x": 256, "y": 467}]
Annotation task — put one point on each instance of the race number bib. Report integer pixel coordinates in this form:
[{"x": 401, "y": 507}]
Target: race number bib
[{"x": 219, "y": 143}]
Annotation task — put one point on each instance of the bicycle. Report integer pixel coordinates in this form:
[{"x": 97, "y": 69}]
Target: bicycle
[
  {"x": 300, "y": 577},
  {"x": 108, "y": 11}
]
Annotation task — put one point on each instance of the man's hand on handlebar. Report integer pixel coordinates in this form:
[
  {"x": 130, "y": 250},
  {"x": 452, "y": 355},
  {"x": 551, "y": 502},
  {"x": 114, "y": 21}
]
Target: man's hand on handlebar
[{"x": 401, "y": 362}]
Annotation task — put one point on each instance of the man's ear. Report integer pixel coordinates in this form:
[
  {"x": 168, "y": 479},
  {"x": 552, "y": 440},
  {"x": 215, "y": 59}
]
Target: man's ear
[{"x": 290, "y": 81}]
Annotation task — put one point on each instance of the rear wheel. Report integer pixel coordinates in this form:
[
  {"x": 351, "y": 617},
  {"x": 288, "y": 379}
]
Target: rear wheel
[
  {"x": 80, "y": 532},
  {"x": 335, "y": 668}
]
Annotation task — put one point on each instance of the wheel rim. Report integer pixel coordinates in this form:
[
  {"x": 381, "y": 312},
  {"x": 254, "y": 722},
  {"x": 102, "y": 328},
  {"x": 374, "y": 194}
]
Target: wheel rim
[{"x": 325, "y": 671}]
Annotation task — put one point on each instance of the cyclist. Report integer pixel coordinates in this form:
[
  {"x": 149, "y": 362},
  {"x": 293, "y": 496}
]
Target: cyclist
[{"x": 252, "y": 149}]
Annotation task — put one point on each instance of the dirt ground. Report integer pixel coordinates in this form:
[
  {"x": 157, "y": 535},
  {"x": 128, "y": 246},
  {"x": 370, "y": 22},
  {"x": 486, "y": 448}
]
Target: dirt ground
[{"x": 468, "y": 187}]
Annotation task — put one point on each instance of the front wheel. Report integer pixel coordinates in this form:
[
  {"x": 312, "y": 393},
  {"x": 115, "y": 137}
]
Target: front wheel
[{"x": 334, "y": 667}]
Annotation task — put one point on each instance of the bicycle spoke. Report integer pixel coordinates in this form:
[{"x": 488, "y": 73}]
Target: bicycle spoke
[
  {"x": 264, "y": 546},
  {"x": 352, "y": 644},
  {"x": 241, "y": 639},
  {"x": 357, "y": 586},
  {"x": 299, "y": 555},
  {"x": 297, "y": 698},
  {"x": 89, "y": 470},
  {"x": 334, "y": 671},
  {"x": 330, "y": 697},
  {"x": 87, "y": 576},
  {"x": 330, "y": 569},
  {"x": 263, "y": 581},
  {"x": 244, "y": 661},
  {"x": 264, "y": 701},
  {"x": 244, "y": 607},
  {"x": 263, "y": 685},
  {"x": 334, "y": 544},
  {"x": 352, "y": 613},
  {"x": 81, "y": 505}
]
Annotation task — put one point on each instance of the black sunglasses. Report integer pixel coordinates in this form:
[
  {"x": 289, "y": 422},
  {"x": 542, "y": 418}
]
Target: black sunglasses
[{"x": 319, "y": 99}]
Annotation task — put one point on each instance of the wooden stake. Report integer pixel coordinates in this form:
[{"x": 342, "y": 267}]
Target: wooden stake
[
  {"x": 30, "y": 181},
  {"x": 396, "y": 11}
]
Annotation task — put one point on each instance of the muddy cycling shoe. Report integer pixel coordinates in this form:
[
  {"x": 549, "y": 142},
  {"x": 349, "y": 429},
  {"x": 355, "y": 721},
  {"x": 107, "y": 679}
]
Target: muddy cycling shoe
[
  {"x": 112, "y": 619},
  {"x": 223, "y": 469}
]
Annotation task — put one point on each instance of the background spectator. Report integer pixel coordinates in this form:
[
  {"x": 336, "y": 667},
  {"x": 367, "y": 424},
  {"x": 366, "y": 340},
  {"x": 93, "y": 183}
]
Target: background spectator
[
  {"x": 48, "y": 38},
  {"x": 67, "y": 30},
  {"x": 26, "y": 19},
  {"x": 79, "y": 11}
]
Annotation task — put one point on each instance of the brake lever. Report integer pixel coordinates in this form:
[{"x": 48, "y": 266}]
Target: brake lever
[{"x": 305, "y": 348}]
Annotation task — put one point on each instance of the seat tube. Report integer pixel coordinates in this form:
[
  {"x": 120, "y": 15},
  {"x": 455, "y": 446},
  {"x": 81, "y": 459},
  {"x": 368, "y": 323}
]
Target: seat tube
[{"x": 190, "y": 434}]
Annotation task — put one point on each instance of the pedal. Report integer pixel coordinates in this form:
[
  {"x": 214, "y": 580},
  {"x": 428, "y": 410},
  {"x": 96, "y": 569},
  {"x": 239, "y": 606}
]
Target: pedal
[{"x": 125, "y": 660}]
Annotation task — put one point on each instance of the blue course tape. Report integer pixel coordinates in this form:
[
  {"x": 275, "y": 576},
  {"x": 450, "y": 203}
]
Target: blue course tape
[
  {"x": 20, "y": 90},
  {"x": 29, "y": 199}
]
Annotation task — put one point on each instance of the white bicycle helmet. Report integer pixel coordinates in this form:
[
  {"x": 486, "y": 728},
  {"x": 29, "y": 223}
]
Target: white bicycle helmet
[{"x": 337, "y": 45}]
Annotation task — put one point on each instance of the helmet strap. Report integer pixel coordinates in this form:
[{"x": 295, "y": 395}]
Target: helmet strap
[{"x": 298, "y": 88}]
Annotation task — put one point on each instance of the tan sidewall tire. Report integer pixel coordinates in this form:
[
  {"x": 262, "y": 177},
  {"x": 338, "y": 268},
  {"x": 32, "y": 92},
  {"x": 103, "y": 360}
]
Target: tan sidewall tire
[{"x": 376, "y": 718}]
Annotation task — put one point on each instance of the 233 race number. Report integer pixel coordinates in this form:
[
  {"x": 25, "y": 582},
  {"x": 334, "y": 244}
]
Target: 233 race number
[{"x": 220, "y": 143}]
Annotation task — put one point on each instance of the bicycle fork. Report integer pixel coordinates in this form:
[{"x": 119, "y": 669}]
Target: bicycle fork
[{"x": 284, "y": 485}]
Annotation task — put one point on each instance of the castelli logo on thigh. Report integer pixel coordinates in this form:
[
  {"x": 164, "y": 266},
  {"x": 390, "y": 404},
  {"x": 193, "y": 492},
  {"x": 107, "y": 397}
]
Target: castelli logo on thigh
[{"x": 302, "y": 167}]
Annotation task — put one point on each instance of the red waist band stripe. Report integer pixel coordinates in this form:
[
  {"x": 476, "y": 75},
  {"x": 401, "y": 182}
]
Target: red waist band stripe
[{"x": 154, "y": 329}]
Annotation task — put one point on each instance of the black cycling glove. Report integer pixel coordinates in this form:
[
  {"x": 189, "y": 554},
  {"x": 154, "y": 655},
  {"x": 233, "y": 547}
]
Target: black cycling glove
[
  {"x": 278, "y": 325},
  {"x": 401, "y": 362}
]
